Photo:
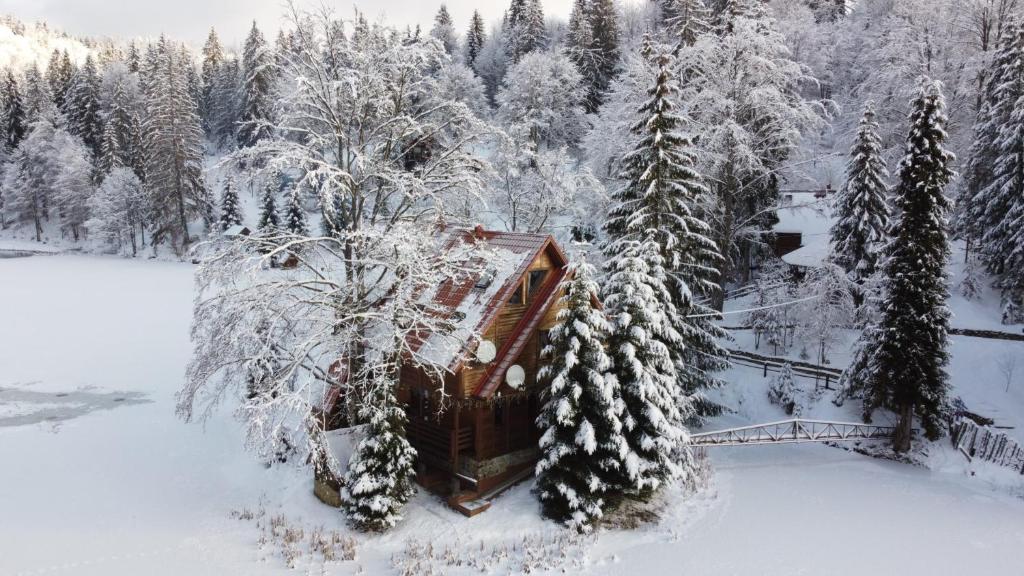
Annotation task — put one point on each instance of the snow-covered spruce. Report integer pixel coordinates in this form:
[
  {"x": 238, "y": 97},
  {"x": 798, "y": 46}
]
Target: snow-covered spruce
[
  {"x": 862, "y": 212},
  {"x": 444, "y": 30},
  {"x": 294, "y": 213},
  {"x": 12, "y": 115},
  {"x": 172, "y": 136},
  {"x": 256, "y": 98},
  {"x": 213, "y": 61},
  {"x": 82, "y": 106},
  {"x": 475, "y": 38},
  {"x": 664, "y": 193},
  {"x": 230, "y": 209},
  {"x": 582, "y": 446},
  {"x": 685, "y": 21},
  {"x": 904, "y": 370},
  {"x": 122, "y": 138},
  {"x": 380, "y": 475},
  {"x": 523, "y": 29},
  {"x": 592, "y": 43},
  {"x": 783, "y": 391},
  {"x": 640, "y": 344},
  {"x": 270, "y": 220},
  {"x": 986, "y": 196}
]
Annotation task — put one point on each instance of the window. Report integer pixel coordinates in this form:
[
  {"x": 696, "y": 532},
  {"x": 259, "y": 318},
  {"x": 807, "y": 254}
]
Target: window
[
  {"x": 499, "y": 415},
  {"x": 536, "y": 281},
  {"x": 420, "y": 404},
  {"x": 517, "y": 297},
  {"x": 485, "y": 279}
]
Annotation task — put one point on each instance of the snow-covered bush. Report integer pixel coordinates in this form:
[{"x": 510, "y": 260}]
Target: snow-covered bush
[{"x": 784, "y": 392}]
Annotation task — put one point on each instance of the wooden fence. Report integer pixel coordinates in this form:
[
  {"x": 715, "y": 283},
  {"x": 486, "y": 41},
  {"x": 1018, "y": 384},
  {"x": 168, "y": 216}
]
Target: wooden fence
[
  {"x": 822, "y": 375},
  {"x": 983, "y": 443}
]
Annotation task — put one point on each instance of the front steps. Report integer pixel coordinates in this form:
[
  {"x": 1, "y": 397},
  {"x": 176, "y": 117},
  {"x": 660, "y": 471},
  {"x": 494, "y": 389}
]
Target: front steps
[{"x": 470, "y": 504}]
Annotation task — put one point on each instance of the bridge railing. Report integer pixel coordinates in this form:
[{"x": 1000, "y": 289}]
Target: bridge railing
[{"x": 792, "y": 431}]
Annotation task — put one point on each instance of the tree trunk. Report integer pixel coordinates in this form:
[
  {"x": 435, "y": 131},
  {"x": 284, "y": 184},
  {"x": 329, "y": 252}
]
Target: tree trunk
[{"x": 904, "y": 428}]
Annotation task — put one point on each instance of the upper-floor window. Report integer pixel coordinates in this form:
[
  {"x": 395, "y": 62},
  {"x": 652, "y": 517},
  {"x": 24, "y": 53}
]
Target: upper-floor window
[{"x": 536, "y": 280}]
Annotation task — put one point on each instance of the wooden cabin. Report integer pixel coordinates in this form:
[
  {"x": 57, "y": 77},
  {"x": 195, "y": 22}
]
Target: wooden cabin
[{"x": 480, "y": 436}]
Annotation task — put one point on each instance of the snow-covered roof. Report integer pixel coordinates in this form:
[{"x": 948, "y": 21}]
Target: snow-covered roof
[
  {"x": 806, "y": 214},
  {"x": 475, "y": 304},
  {"x": 810, "y": 255},
  {"x": 236, "y": 230},
  {"x": 811, "y": 218}
]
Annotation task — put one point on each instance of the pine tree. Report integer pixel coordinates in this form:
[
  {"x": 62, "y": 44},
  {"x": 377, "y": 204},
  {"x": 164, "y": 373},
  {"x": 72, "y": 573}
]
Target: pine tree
[
  {"x": 13, "y": 113},
  {"x": 1003, "y": 198},
  {"x": 640, "y": 344},
  {"x": 475, "y": 38},
  {"x": 295, "y": 214},
  {"x": 862, "y": 212},
  {"x": 213, "y": 59},
  {"x": 379, "y": 479},
  {"x": 582, "y": 446},
  {"x": 133, "y": 59},
  {"x": 333, "y": 221},
  {"x": 686, "y": 20},
  {"x": 119, "y": 137},
  {"x": 605, "y": 26},
  {"x": 230, "y": 207},
  {"x": 172, "y": 137},
  {"x": 583, "y": 51},
  {"x": 662, "y": 193},
  {"x": 906, "y": 368},
  {"x": 59, "y": 73},
  {"x": 83, "y": 106},
  {"x": 984, "y": 203},
  {"x": 257, "y": 75},
  {"x": 270, "y": 221},
  {"x": 444, "y": 30},
  {"x": 227, "y": 103},
  {"x": 36, "y": 96},
  {"x": 524, "y": 28}
]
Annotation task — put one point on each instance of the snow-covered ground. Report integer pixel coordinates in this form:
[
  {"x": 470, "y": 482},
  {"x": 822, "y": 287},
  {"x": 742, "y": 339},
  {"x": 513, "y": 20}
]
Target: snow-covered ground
[{"x": 98, "y": 476}]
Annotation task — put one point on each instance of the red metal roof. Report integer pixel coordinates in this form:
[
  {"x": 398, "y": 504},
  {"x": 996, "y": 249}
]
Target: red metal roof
[{"x": 454, "y": 292}]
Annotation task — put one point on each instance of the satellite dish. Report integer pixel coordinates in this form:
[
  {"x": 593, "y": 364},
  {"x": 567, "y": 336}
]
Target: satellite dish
[
  {"x": 486, "y": 351},
  {"x": 516, "y": 376}
]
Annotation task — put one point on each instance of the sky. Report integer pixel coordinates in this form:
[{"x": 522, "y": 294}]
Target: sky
[{"x": 190, "y": 20}]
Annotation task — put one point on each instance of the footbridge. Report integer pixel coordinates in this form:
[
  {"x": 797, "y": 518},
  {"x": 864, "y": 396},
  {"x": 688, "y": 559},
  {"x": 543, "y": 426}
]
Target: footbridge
[{"x": 793, "y": 431}]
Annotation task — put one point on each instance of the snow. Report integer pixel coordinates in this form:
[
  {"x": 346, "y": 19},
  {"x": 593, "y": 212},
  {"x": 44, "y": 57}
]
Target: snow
[
  {"x": 805, "y": 214},
  {"x": 814, "y": 251},
  {"x": 34, "y": 47},
  {"x": 131, "y": 489}
]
